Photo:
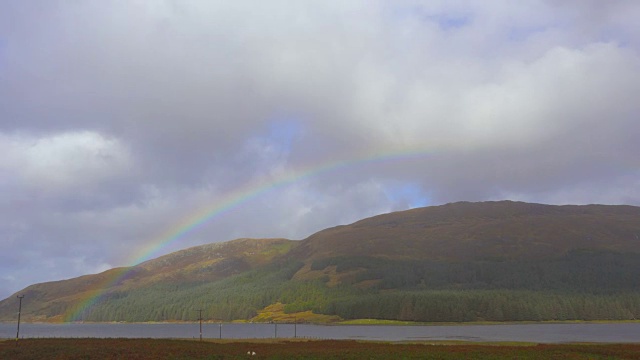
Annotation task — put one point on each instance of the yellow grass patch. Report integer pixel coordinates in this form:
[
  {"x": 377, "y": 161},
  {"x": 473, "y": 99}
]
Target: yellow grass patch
[{"x": 275, "y": 313}]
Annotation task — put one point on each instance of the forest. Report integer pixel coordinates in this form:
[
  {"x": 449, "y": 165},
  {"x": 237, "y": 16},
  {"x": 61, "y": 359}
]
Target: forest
[{"x": 581, "y": 285}]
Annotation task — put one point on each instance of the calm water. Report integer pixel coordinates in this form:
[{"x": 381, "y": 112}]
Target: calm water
[{"x": 541, "y": 333}]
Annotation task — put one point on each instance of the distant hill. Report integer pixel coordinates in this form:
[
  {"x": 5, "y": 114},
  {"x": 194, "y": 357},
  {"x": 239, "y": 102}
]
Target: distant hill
[
  {"x": 200, "y": 264},
  {"x": 465, "y": 231},
  {"x": 456, "y": 262}
]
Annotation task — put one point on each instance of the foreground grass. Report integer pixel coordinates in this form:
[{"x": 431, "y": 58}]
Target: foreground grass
[{"x": 35, "y": 349}]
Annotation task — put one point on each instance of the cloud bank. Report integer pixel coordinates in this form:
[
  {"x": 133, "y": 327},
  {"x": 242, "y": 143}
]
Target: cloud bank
[{"x": 120, "y": 121}]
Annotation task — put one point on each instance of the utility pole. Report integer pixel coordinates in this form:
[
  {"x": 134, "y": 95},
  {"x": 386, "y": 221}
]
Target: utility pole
[
  {"x": 19, "y": 311},
  {"x": 200, "y": 318},
  {"x": 295, "y": 327}
]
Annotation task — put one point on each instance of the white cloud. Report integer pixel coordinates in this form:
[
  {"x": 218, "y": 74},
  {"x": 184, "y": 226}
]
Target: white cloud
[{"x": 63, "y": 162}]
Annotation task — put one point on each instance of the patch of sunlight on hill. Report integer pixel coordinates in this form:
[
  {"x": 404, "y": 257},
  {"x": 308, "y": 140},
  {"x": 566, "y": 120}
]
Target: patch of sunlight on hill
[{"x": 275, "y": 313}]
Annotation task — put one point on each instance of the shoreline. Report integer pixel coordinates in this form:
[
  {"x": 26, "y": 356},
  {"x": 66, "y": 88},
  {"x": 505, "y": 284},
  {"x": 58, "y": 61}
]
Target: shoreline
[{"x": 355, "y": 322}]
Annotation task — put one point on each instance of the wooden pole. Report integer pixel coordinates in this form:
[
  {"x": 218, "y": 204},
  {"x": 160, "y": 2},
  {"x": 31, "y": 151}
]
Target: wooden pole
[
  {"x": 19, "y": 312},
  {"x": 200, "y": 318}
]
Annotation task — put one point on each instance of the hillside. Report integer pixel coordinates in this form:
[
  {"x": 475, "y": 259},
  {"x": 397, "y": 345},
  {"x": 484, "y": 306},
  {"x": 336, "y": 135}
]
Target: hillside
[
  {"x": 200, "y": 264},
  {"x": 455, "y": 262},
  {"x": 465, "y": 231}
]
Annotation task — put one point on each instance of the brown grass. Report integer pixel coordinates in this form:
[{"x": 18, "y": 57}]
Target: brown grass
[{"x": 36, "y": 349}]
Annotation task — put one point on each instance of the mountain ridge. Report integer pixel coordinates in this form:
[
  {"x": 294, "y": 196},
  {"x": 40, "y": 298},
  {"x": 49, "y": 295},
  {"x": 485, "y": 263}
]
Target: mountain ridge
[
  {"x": 506, "y": 246},
  {"x": 463, "y": 222}
]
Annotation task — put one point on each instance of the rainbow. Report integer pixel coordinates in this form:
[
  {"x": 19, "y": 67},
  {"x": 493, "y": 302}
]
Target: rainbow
[{"x": 228, "y": 202}]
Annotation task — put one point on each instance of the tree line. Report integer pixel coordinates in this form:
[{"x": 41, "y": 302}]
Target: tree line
[{"x": 581, "y": 285}]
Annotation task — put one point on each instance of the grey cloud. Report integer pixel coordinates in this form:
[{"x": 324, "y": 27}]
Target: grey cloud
[{"x": 120, "y": 121}]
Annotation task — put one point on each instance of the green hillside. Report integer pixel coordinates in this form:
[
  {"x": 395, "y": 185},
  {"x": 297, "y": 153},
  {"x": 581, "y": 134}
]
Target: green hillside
[{"x": 492, "y": 261}]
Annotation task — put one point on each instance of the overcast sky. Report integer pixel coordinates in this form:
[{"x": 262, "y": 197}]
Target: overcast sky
[{"x": 123, "y": 120}]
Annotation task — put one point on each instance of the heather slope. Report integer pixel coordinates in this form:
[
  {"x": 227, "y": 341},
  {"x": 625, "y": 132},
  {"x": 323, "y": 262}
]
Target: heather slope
[
  {"x": 465, "y": 231},
  {"x": 456, "y": 262},
  {"x": 196, "y": 265}
]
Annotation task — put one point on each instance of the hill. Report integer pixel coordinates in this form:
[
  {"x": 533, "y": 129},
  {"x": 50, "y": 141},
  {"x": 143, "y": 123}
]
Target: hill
[
  {"x": 465, "y": 231},
  {"x": 200, "y": 264},
  {"x": 456, "y": 262}
]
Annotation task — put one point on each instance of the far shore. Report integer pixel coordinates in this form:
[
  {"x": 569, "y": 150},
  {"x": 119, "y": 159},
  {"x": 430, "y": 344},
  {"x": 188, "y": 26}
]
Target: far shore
[{"x": 375, "y": 322}]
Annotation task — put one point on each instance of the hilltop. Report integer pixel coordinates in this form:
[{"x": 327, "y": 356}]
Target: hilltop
[
  {"x": 465, "y": 231},
  {"x": 455, "y": 262}
]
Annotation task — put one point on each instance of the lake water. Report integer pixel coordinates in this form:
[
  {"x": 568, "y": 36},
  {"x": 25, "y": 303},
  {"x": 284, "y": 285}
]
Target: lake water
[{"x": 539, "y": 333}]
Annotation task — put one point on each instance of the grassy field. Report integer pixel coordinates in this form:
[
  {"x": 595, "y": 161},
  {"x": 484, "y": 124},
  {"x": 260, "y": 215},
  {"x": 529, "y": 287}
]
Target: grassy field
[{"x": 35, "y": 349}]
